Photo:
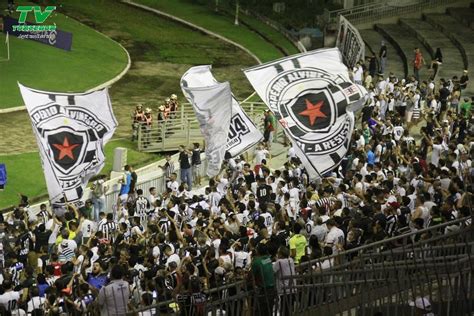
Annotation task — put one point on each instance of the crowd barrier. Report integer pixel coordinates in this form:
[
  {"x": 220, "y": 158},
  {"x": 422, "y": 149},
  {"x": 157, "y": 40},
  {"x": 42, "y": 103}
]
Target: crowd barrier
[{"x": 381, "y": 277}]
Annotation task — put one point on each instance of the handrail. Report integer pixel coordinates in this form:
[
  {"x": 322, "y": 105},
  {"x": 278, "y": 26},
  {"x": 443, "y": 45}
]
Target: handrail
[
  {"x": 397, "y": 47},
  {"x": 349, "y": 286},
  {"x": 184, "y": 127},
  {"x": 392, "y": 239},
  {"x": 374, "y": 11},
  {"x": 453, "y": 37},
  {"x": 419, "y": 37}
]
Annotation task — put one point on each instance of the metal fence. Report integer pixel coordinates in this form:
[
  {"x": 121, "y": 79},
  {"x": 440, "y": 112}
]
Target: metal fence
[
  {"x": 371, "y": 12},
  {"x": 434, "y": 263},
  {"x": 182, "y": 128}
]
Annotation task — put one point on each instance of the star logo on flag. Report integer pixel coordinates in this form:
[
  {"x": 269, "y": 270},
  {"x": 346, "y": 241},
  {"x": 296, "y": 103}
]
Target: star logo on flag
[
  {"x": 65, "y": 149},
  {"x": 313, "y": 111}
]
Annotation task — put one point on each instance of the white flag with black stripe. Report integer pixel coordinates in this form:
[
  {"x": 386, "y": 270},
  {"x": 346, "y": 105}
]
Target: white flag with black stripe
[
  {"x": 71, "y": 131},
  {"x": 212, "y": 103},
  {"x": 313, "y": 98}
]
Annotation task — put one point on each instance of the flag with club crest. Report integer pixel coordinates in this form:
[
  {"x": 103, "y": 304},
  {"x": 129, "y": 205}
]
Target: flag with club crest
[
  {"x": 314, "y": 100},
  {"x": 71, "y": 131}
]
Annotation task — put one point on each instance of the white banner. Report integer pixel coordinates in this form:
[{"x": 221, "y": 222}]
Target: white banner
[
  {"x": 71, "y": 131},
  {"x": 313, "y": 98},
  {"x": 212, "y": 103},
  {"x": 350, "y": 43}
]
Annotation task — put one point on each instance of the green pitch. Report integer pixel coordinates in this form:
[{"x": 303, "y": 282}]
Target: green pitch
[
  {"x": 161, "y": 51},
  {"x": 25, "y": 174},
  {"x": 94, "y": 59},
  {"x": 224, "y": 25}
]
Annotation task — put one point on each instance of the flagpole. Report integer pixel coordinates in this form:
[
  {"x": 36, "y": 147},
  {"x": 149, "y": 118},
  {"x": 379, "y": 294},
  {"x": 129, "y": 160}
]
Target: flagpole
[{"x": 8, "y": 47}]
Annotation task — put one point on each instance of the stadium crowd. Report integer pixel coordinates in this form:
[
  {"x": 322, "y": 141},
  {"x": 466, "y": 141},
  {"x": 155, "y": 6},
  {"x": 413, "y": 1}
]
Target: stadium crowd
[
  {"x": 409, "y": 167},
  {"x": 142, "y": 119}
]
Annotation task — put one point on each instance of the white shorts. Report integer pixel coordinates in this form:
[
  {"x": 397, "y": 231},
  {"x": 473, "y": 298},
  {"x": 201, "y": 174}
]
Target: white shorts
[{"x": 196, "y": 170}]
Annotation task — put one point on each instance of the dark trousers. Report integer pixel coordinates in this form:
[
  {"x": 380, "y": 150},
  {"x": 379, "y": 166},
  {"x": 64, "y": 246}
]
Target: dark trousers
[{"x": 265, "y": 300}]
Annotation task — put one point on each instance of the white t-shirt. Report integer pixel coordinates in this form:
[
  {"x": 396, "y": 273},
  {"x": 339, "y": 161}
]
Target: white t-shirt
[
  {"x": 435, "y": 153},
  {"x": 35, "y": 303},
  {"x": 260, "y": 154},
  {"x": 88, "y": 227},
  {"x": 268, "y": 220},
  {"x": 358, "y": 72},
  {"x": 291, "y": 153},
  {"x": 334, "y": 237},
  {"x": 241, "y": 259},
  {"x": 174, "y": 257},
  {"x": 10, "y": 300},
  {"x": 173, "y": 185}
]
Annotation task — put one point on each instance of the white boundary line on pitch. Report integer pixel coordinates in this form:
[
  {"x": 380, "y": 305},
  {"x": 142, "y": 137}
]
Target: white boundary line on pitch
[{"x": 101, "y": 86}]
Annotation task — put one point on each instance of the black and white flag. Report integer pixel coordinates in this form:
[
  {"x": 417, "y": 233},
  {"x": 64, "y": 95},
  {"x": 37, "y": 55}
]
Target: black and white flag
[
  {"x": 71, "y": 131},
  {"x": 212, "y": 103},
  {"x": 350, "y": 43},
  {"x": 313, "y": 98}
]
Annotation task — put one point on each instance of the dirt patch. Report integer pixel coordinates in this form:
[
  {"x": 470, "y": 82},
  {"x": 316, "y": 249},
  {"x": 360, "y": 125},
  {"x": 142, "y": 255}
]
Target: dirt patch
[{"x": 143, "y": 68}]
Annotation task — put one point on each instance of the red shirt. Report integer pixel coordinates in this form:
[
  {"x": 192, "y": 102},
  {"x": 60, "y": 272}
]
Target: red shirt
[
  {"x": 57, "y": 268},
  {"x": 418, "y": 60}
]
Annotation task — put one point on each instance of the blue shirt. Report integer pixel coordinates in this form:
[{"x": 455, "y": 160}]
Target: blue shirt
[
  {"x": 42, "y": 289},
  {"x": 370, "y": 157},
  {"x": 126, "y": 186},
  {"x": 97, "y": 281}
]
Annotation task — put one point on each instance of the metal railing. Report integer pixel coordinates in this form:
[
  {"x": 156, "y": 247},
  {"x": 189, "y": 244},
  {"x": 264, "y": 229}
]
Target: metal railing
[
  {"x": 381, "y": 277},
  {"x": 372, "y": 12},
  {"x": 182, "y": 128}
]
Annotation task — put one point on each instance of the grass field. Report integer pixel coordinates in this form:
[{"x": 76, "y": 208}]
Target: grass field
[
  {"x": 160, "y": 50},
  {"x": 25, "y": 174},
  {"x": 94, "y": 59},
  {"x": 224, "y": 25}
]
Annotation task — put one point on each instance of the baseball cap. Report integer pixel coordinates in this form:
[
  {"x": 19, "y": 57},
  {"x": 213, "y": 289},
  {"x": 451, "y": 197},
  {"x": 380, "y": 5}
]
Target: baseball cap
[{"x": 421, "y": 303}]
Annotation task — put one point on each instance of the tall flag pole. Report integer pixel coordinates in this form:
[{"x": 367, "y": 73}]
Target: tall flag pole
[
  {"x": 71, "y": 130},
  {"x": 314, "y": 100},
  {"x": 7, "y": 41}
]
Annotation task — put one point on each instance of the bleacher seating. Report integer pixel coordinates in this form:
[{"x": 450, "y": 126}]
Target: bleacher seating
[
  {"x": 397, "y": 34},
  {"x": 452, "y": 31},
  {"x": 373, "y": 41},
  {"x": 432, "y": 39}
]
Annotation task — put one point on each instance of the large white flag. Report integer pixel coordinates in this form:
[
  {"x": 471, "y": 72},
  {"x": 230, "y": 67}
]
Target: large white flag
[
  {"x": 243, "y": 133},
  {"x": 212, "y": 103},
  {"x": 313, "y": 98},
  {"x": 71, "y": 131}
]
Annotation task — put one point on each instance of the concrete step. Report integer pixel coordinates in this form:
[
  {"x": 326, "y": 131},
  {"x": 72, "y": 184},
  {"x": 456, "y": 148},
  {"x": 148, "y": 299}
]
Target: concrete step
[
  {"x": 401, "y": 37},
  {"x": 461, "y": 36},
  {"x": 433, "y": 39},
  {"x": 463, "y": 15},
  {"x": 373, "y": 41}
]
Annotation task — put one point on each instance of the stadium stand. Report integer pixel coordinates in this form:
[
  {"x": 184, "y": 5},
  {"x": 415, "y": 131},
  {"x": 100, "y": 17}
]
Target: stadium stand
[
  {"x": 373, "y": 40},
  {"x": 433, "y": 39},
  {"x": 404, "y": 44}
]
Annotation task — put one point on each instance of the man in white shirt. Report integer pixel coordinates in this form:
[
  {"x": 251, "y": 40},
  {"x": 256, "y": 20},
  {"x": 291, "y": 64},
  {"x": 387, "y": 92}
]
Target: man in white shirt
[
  {"x": 10, "y": 298},
  {"x": 87, "y": 228},
  {"x": 335, "y": 236},
  {"x": 358, "y": 72},
  {"x": 36, "y": 302},
  {"x": 260, "y": 154},
  {"x": 173, "y": 183}
]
